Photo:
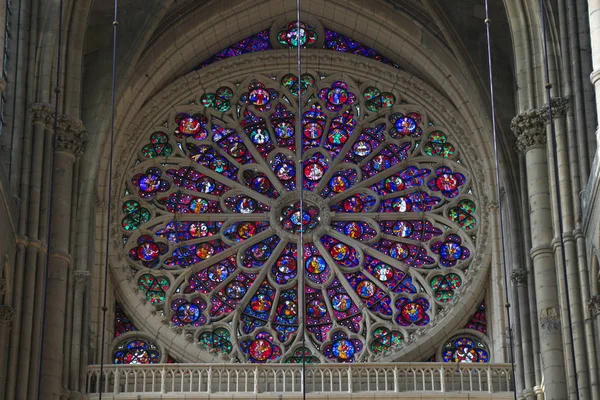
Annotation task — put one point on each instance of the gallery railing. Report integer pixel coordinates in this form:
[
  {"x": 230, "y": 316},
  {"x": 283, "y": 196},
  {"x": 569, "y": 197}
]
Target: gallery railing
[{"x": 288, "y": 378}]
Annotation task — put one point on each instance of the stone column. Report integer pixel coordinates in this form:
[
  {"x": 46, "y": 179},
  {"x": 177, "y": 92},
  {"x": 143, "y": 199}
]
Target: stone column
[
  {"x": 519, "y": 279},
  {"x": 594, "y": 309},
  {"x": 6, "y": 317},
  {"x": 28, "y": 260},
  {"x": 530, "y": 128},
  {"x": 594, "y": 12},
  {"x": 69, "y": 146},
  {"x": 571, "y": 311},
  {"x": 80, "y": 280}
]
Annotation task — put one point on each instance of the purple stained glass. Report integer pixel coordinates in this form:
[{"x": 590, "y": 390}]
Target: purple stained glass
[
  {"x": 252, "y": 44},
  {"x": 261, "y": 220},
  {"x": 261, "y": 42}
]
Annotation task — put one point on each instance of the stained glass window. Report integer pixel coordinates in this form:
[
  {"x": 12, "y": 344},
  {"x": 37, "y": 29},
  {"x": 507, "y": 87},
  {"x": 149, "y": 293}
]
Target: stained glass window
[
  {"x": 289, "y": 36},
  {"x": 136, "y": 351},
  {"x": 215, "y": 209},
  {"x": 478, "y": 321},
  {"x": 465, "y": 349},
  {"x": 122, "y": 322}
]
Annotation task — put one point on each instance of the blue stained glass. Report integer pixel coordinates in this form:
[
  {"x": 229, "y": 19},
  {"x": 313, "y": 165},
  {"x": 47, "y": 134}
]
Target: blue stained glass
[
  {"x": 335, "y": 41},
  {"x": 252, "y": 44},
  {"x": 222, "y": 219},
  {"x": 261, "y": 42}
]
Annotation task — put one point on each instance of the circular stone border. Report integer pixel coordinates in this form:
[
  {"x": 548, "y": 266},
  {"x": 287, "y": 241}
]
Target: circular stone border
[{"x": 417, "y": 92}]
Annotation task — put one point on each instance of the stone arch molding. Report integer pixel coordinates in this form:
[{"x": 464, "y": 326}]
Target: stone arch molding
[{"x": 474, "y": 159}]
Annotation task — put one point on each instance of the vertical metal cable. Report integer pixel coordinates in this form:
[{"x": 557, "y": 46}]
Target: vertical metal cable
[
  {"x": 51, "y": 200},
  {"x": 554, "y": 148},
  {"x": 300, "y": 186},
  {"x": 496, "y": 157},
  {"x": 115, "y": 25}
]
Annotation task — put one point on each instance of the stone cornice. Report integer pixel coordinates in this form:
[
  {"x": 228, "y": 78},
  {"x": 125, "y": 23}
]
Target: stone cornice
[
  {"x": 519, "y": 277},
  {"x": 530, "y": 128}
]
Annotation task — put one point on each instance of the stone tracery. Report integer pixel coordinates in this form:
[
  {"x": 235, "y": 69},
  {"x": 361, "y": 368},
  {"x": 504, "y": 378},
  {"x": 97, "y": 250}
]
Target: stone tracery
[{"x": 214, "y": 212}]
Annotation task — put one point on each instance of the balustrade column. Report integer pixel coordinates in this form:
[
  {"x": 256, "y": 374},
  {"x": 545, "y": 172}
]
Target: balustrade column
[
  {"x": 80, "y": 281},
  {"x": 530, "y": 128},
  {"x": 68, "y": 147},
  {"x": 519, "y": 279}
]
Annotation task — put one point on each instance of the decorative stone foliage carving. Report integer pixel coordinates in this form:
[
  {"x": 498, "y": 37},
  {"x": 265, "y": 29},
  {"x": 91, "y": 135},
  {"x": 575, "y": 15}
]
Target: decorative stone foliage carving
[
  {"x": 81, "y": 277},
  {"x": 594, "y": 305},
  {"x": 549, "y": 319},
  {"x": 70, "y": 135},
  {"x": 519, "y": 277},
  {"x": 560, "y": 107},
  {"x": 6, "y": 314},
  {"x": 41, "y": 113},
  {"x": 70, "y": 131},
  {"x": 530, "y": 128}
]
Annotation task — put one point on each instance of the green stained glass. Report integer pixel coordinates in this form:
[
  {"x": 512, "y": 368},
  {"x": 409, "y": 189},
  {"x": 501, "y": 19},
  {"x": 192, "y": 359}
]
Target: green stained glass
[
  {"x": 208, "y": 100},
  {"x": 444, "y": 286},
  {"x": 302, "y": 355},
  {"x": 290, "y": 81},
  {"x": 438, "y": 145},
  {"x": 463, "y": 214},
  {"x": 376, "y": 100},
  {"x": 155, "y": 287},
  {"x": 297, "y": 33},
  {"x": 218, "y": 340},
  {"x": 220, "y": 100},
  {"x": 385, "y": 339},
  {"x": 158, "y": 146},
  {"x": 135, "y": 215}
]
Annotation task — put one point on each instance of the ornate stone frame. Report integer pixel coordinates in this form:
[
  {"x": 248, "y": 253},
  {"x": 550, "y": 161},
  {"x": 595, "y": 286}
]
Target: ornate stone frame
[{"x": 272, "y": 63}]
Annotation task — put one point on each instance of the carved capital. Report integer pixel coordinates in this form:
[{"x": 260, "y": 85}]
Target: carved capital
[
  {"x": 560, "y": 107},
  {"x": 594, "y": 305},
  {"x": 70, "y": 135},
  {"x": 6, "y": 314},
  {"x": 81, "y": 277},
  {"x": 42, "y": 113},
  {"x": 530, "y": 128},
  {"x": 519, "y": 277},
  {"x": 549, "y": 319}
]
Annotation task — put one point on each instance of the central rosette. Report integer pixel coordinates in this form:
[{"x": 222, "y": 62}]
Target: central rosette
[
  {"x": 290, "y": 220},
  {"x": 300, "y": 217}
]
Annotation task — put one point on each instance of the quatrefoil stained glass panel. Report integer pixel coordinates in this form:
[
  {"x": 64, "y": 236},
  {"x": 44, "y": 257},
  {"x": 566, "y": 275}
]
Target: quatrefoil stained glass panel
[{"x": 241, "y": 217}]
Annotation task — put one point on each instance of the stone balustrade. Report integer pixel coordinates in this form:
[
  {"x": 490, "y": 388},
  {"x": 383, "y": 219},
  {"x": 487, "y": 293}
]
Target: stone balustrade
[{"x": 485, "y": 381}]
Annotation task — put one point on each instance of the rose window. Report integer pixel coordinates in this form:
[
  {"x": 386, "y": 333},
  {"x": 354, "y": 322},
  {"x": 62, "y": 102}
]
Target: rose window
[{"x": 243, "y": 219}]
